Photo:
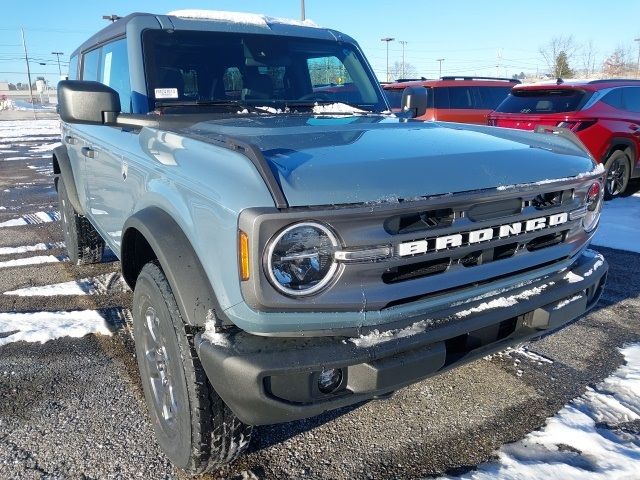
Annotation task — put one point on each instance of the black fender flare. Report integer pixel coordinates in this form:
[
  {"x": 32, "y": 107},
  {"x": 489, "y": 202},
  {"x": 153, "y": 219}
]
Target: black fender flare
[
  {"x": 173, "y": 250},
  {"x": 62, "y": 167}
]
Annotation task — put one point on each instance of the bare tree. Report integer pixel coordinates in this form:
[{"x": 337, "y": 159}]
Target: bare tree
[
  {"x": 588, "y": 55},
  {"x": 396, "y": 71},
  {"x": 617, "y": 64},
  {"x": 552, "y": 50}
]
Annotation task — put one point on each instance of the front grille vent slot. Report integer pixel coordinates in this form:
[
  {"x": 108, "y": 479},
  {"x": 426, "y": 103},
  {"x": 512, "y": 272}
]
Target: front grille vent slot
[
  {"x": 551, "y": 199},
  {"x": 546, "y": 241},
  {"x": 416, "y": 270},
  {"x": 415, "y": 222},
  {"x": 491, "y": 210}
]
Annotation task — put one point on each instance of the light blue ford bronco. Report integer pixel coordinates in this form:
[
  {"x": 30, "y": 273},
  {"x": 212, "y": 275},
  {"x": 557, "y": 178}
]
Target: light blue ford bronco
[{"x": 292, "y": 246}]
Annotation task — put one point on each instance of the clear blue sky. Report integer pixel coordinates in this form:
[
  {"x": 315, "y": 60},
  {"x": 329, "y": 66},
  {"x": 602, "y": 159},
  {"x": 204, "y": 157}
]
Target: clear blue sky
[{"x": 470, "y": 35}]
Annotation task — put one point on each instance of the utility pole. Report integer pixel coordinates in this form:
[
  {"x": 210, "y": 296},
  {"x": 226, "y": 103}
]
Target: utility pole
[
  {"x": 403, "y": 43},
  {"x": 302, "y": 13},
  {"x": 57, "y": 54},
  {"x": 26, "y": 59},
  {"x": 387, "y": 39},
  {"x": 440, "y": 60},
  {"x": 638, "y": 65}
]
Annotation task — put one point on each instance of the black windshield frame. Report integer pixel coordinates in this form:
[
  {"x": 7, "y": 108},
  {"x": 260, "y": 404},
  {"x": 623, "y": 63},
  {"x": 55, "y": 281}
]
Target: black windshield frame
[{"x": 200, "y": 75}]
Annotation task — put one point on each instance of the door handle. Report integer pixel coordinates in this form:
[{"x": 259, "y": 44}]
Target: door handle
[
  {"x": 70, "y": 140},
  {"x": 88, "y": 152}
]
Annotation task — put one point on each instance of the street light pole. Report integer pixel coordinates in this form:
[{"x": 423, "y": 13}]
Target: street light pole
[
  {"x": 403, "y": 43},
  {"x": 440, "y": 60},
  {"x": 26, "y": 59},
  {"x": 387, "y": 39},
  {"x": 302, "y": 12},
  {"x": 57, "y": 54}
]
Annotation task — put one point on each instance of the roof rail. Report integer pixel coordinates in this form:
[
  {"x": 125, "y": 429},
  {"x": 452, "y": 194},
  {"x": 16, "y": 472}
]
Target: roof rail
[
  {"x": 401, "y": 80},
  {"x": 501, "y": 79},
  {"x": 607, "y": 80}
]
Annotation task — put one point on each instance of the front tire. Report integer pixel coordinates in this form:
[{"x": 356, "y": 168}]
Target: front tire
[
  {"x": 618, "y": 172},
  {"x": 193, "y": 426},
  {"x": 84, "y": 243}
]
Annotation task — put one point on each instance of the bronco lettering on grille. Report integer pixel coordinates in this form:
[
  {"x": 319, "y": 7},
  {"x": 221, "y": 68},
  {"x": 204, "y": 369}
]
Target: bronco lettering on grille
[{"x": 482, "y": 235}]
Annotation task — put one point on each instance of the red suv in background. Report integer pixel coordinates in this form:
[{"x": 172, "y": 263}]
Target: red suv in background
[
  {"x": 604, "y": 114},
  {"x": 455, "y": 99}
]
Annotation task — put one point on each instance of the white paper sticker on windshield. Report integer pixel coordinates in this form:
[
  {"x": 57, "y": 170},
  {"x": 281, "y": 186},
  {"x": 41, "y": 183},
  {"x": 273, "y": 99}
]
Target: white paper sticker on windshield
[{"x": 166, "y": 92}]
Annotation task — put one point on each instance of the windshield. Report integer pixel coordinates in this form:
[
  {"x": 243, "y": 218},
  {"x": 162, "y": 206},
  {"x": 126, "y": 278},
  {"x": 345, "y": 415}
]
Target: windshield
[
  {"x": 543, "y": 101},
  {"x": 229, "y": 68}
]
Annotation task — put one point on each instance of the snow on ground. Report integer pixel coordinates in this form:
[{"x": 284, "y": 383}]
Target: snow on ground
[
  {"x": 44, "y": 326},
  {"x": 586, "y": 440},
  {"x": 23, "y": 105},
  {"x": 21, "y": 262},
  {"x": 23, "y": 129},
  {"x": 47, "y": 147},
  {"x": 30, "y": 248},
  {"x": 620, "y": 224},
  {"x": 32, "y": 219},
  {"x": 112, "y": 282}
]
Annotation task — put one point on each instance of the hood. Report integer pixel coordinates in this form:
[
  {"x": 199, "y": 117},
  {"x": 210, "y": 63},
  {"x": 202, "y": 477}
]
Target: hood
[{"x": 359, "y": 159}]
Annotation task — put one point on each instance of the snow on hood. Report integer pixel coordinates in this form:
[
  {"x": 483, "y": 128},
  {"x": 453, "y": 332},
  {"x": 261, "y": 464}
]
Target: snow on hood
[
  {"x": 255, "y": 19},
  {"x": 336, "y": 108}
]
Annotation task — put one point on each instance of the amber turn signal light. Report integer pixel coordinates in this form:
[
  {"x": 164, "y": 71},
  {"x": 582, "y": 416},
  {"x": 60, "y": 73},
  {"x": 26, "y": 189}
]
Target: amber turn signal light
[{"x": 243, "y": 255}]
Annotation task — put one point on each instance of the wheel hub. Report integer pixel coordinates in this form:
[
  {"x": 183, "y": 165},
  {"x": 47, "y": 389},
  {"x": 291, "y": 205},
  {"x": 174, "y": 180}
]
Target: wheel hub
[{"x": 616, "y": 177}]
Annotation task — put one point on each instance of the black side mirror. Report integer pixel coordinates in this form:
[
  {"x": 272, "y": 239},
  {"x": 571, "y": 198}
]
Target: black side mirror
[
  {"x": 414, "y": 100},
  {"x": 87, "y": 102}
]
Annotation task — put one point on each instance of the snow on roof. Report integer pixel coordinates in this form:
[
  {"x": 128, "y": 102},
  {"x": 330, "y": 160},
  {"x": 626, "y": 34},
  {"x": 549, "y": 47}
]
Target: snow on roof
[{"x": 255, "y": 19}]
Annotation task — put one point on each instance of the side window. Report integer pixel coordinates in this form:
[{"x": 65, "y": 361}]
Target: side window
[
  {"x": 614, "y": 98},
  {"x": 441, "y": 97},
  {"x": 631, "y": 97},
  {"x": 114, "y": 71},
  {"x": 460, "y": 97},
  {"x": 73, "y": 68},
  {"x": 91, "y": 65},
  {"x": 491, "y": 97}
]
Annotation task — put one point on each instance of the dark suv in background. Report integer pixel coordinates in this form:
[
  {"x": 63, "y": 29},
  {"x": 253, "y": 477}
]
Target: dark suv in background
[
  {"x": 455, "y": 99},
  {"x": 604, "y": 114}
]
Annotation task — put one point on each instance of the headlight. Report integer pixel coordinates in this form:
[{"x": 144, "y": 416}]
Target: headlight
[
  {"x": 299, "y": 260},
  {"x": 594, "y": 206}
]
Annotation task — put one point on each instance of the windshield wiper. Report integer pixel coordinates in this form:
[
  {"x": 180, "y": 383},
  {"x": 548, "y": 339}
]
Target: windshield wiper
[{"x": 228, "y": 104}]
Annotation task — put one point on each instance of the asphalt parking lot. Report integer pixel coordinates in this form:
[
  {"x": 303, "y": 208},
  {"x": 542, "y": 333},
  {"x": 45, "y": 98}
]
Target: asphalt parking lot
[{"x": 73, "y": 407}]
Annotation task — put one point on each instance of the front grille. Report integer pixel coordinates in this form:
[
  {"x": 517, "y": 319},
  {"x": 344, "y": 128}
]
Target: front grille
[{"x": 464, "y": 221}]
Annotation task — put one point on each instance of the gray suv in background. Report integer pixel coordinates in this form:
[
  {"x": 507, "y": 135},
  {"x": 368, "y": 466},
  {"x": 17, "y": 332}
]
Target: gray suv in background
[{"x": 292, "y": 246}]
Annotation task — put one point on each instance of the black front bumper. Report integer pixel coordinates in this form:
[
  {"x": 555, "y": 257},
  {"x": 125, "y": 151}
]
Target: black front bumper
[{"x": 268, "y": 380}]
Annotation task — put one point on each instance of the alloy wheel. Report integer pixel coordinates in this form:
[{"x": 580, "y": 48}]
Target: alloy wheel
[
  {"x": 158, "y": 364},
  {"x": 616, "y": 177}
]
